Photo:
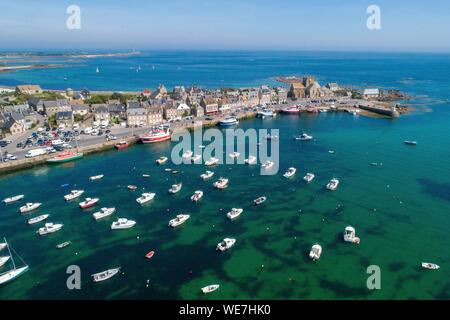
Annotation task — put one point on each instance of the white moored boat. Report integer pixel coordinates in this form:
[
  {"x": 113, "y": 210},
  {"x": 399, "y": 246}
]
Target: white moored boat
[
  {"x": 98, "y": 177},
  {"x": 226, "y": 244},
  {"x": 38, "y": 219},
  {"x": 309, "y": 177},
  {"x": 212, "y": 162},
  {"x": 303, "y": 137},
  {"x": 197, "y": 196},
  {"x": 88, "y": 202},
  {"x": 29, "y": 207},
  {"x": 196, "y": 158},
  {"x": 234, "y": 213},
  {"x": 207, "y": 175},
  {"x": 260, "y": 200},
  {"x": 73, "y": 195},
  {"x": 175, "y": 188},
  {"x": 316, "y": 252},
  {"x": 222, "y": 183},
  {"x": 431, "y": 266},
  {"x": 14, "y": 272},
  {"x": 250, "y": 160},
  {"x": 228, "y": 121},
  {"x": 350, "y": 235},
  {"x": 187, "y": 155},
  {"x": 2, "y": 246},
  {"x": 13, "y": 199},
  {"x": 105, "y": 275},
  {"x": 268, "y": 164},
  {"x": 333, "y": 184},
  {"x": 49, "y": 227},
  {"x": 290, "y": 172},
  {"x": 145, "y": 197},
  {"x": 162, "y": 160},
  {"x": 103, "y": 213},
  {"x": 234, "y": 155},
  {"x": 210, "y": 288},
  {"x": 122, "y": 223},
  {"x": 178, "y": 220}
]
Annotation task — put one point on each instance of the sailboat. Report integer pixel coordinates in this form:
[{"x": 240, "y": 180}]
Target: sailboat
[
  {"x": 15, "y": 272},
  {"x": 97, "y": 70}
]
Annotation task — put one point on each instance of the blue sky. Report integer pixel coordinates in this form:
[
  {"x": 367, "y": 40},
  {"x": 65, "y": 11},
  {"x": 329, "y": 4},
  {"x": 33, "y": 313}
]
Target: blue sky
[{"x": 331, "y": 25}]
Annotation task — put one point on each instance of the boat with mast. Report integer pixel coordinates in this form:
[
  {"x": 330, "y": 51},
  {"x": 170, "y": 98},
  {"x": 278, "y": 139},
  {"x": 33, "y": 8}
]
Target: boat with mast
[{"x": 15, "y": 272}]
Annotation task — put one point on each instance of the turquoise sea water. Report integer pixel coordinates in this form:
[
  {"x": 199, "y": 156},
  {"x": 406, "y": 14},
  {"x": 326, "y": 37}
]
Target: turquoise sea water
[{"x": 410, "y": 192}]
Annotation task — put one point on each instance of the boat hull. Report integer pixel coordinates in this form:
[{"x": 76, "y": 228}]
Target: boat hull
[
  {"x": 13, "y": 274},
  {"x": 63, "y": 160}
]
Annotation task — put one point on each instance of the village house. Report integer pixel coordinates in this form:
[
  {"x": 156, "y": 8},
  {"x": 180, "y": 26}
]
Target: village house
[
  {"x": 250, "y": 97},
  {"x": 265, "y": 95},
  {"x": 146, "y": 93},
  {"x": 281, "y": 95},
  {"x": 183, "y": 110},
  {"x": 197, "y": 111},
  {"x": 36, "y": 104},
  {"x": 159, "y": 93},
  {"x": 154, "y": 116},
  {"x": 170, "y": 112},
  {"x": 51, "y": 107},
  {"x": 179, "y": 93},
  {"x": 224, "y": 106},
  {"x": 136, "y": 117},
  {"x": 371, "y": 93},
  {"x": 133, "y": 104},
  {"x": 80, "y": 109},
  {"x": 117, "y": 110},
  {"x": 29, "y": 89},
  {"x": 64, "y": 118},
  {"x": 210, "y": 105},
  {"x": 313, "y": 91},
  {"x": 14, "y": 123},
  {"x": 194, "y": 96},
  {"x": 333, "y": 86},
  {"x": 101, "y": 112}
]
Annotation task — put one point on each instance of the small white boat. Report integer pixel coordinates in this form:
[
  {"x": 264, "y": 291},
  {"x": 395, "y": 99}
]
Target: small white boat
[
  {"x": 350, "y": 235},
  {"x": 411, "y": 143},
  {"x": 228, "y": 121},
  {"x": 234, "y": 213},
  {"x": 309, "y": 177},
  {"x": 202, "y": 146},
  {"x": 207, "y": 175},
  {"x": 105, "y": 275},
  {"x": 316, "y": 252},
  {"x": 270, "y": 137},
  {"x": 145, "y": 197},
  {"x": 222, "y": 183},
  {"x": 2, "y": 246},
  {"x": 38, "y": 219},
  {"x": 234, "y": 155},
  {"x": 187, "y": 155},
  {"x": 333, "y": 184},
  {"x": 196, "y": 158},
  {"x": 122, "y": 223},
  {"x": 178, "y": 220},
  {"x": 290, "y": 172},
  {"x": 4, "y": 260},
  {"x": 431, "y": 266},
  {"x": 73, "y": 194},
  {"x": 13, "y": 199},
  {"x": 29, "y": 207},
  {"x": 331, "y": 151},
  {"x": 103, "y": 213},
  {"x": 98, "y": 177},
  {"x": 210, "y": 288},
  {"x": 212, "y": 162},
  {"x": 250, "y": 160},
  {"x": 303, "y": 137},
  {"x": 267, "y": 165},
  {"x": 197, "y": 196},
  {"x": 226, "y": 244},
  {"x": 49, "y": 227},
  {"x": 168, "y": 170},
  {"x": 175, "y": 188},
  {"x": 63, "y": 245},
  {"x": 145, "y": 175},
  {"x": 88, "y": 202},
  {"x": 260, "y": 200},
  {"x": 162, "y": 160}
]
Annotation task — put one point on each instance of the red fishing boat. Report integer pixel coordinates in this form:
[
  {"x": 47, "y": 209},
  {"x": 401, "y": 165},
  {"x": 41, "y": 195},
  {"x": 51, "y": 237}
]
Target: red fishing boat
[
  {"x": 121, "y": 145},
  {"x": 149, "y": 255},
  {"x": 156, "y": 135}
]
